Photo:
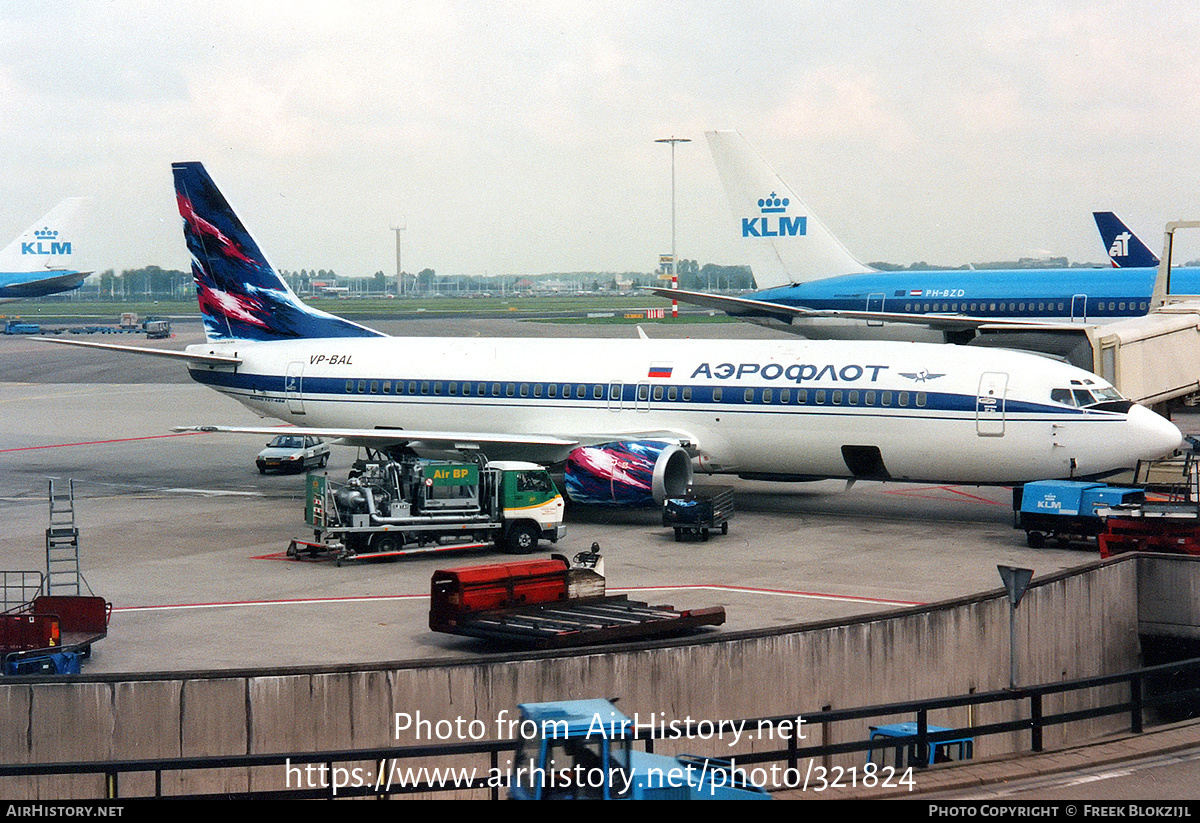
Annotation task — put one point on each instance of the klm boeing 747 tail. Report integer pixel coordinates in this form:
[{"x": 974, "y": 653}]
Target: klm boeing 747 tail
[
  {"x": 41, "y": 260},
  {"x": 789, "y": 243}
]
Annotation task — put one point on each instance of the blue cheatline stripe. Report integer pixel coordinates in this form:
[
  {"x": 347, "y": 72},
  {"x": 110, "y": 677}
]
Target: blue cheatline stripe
[{"x": 702, "y": 397}]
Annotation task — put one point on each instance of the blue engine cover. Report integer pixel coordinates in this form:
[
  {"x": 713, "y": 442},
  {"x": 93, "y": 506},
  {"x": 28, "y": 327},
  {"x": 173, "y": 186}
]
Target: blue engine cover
[{"x": 628, "y": 473}]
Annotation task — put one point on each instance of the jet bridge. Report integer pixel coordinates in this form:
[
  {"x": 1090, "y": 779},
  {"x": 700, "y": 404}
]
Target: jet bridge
[
  {"x": 1150, "y": 359},
  {"x": 1155, "y": 358}
]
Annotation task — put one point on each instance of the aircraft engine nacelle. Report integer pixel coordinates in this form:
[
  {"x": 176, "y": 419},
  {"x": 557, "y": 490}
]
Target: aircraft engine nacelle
[{"x": 628, "y": 473}]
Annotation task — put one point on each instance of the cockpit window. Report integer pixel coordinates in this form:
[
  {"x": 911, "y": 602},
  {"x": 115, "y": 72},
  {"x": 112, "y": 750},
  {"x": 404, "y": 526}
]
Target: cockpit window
[
  {"x": 1062, "y": 396},
  {"x": 1085, "y": 398}
]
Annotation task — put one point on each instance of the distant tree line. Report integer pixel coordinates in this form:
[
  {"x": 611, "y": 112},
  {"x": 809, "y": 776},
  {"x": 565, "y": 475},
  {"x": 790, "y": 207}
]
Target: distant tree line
[
  {"x": 150, "y": 283},
  {"x": 155, "y": 283}
]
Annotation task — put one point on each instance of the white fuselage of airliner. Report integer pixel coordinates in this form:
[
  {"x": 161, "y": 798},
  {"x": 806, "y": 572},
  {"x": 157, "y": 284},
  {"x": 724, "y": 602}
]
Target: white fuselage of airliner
[{"x": 789, "y": 408}]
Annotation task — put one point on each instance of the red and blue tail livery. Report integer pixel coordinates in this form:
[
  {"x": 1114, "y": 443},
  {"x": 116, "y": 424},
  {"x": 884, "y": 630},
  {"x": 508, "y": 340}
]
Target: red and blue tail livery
[{"x": 241, "y": 296}]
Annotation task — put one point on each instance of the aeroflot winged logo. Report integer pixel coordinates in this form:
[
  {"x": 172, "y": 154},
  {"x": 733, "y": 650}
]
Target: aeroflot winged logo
[
  {"x": 45, "y": 241},
  {"x": 921, "y": 376},
  {"x": 774, "y": 221}
]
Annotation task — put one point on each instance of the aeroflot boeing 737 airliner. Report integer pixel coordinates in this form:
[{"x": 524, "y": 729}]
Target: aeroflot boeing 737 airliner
[{"x": 630, "y": 418}]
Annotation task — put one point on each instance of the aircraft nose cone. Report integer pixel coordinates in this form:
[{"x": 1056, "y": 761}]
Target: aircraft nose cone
[{"x": 1153, "y": 436}]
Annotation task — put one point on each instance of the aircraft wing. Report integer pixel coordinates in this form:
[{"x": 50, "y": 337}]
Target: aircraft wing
[
  {"x": 745, "y": 308},
  {"x": 540, "y": 447},
  {"x": 201, "y": 359}
]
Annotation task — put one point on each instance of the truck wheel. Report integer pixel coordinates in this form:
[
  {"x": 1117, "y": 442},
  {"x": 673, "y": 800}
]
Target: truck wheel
[
  {"x": 1035, "y": 539},
  {"x": 678, "y": 535},
  {"x": 388, "y": 543},
  {"x": 704, "y": 535},
  {"x": 522, "y": 539},
  {"x": 724, "y": 527}
]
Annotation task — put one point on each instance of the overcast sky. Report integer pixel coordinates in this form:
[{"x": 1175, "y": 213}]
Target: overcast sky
[{"x": 518, "y": 137}]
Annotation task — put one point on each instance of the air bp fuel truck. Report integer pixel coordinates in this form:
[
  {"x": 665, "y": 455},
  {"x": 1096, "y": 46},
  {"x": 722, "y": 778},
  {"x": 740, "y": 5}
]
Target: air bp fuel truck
[{"x": 408, "y": 506}]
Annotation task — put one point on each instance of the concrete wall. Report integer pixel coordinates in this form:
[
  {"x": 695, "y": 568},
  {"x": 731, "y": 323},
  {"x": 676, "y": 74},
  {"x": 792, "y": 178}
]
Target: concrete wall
[
  {"x": 1069, "y": 626},
  {"x": 1169, "y": 597}
]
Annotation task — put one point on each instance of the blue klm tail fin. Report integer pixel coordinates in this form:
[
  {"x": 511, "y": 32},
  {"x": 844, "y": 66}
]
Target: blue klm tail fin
[
  {"x": 1124, "y": 248},
  {"x": 241, "y": 297}
]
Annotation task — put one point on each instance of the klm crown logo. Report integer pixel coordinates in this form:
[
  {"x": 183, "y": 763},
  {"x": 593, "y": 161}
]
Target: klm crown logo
[
  {"x": 46, "y": 242},
  {"x": 769, "y": 226}
]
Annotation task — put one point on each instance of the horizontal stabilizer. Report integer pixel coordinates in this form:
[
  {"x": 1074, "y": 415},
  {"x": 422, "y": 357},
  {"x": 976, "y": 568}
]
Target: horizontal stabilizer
[
  {"x": 196, "y": 358},
  {"x": 42, "y": 286}
]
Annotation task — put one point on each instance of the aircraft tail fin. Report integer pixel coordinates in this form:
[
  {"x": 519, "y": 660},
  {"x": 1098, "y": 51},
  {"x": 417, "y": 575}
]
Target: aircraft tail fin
[
  {"x": 241, "y": 296},
  {"x": 1124, "y": 248},
  {"x": 50, "y": 244},
  {"x": 789, "y": 243}
]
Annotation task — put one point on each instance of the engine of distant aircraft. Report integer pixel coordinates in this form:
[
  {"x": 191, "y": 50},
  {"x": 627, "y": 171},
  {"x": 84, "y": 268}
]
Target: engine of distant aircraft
[{"x": 628, "y": 473}]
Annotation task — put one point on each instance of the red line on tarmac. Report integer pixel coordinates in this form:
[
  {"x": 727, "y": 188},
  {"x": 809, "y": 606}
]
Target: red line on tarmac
[
  {"x": 100, "y": 442},
  {"x": 292, "y": 601},
  {"x": 951, "y": 489},
  {"x": 387, "y": 597}
]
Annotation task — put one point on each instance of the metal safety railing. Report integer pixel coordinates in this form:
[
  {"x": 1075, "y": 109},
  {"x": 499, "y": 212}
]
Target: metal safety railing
[{"x": 403, "y": 770}]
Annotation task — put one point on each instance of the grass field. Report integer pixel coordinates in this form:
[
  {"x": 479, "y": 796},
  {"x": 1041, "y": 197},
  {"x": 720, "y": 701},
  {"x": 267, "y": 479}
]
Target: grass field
[{"x": 542, "y": 307}]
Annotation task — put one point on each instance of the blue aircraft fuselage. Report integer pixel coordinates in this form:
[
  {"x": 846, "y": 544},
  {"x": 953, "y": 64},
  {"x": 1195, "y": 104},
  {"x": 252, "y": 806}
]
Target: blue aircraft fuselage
[{"x": 1070, "y": 294}]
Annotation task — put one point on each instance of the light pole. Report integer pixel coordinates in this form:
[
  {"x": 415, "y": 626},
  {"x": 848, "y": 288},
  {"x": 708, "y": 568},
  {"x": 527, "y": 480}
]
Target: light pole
[
  {"x": 399, "y": 270},
  {"x": 674, "y": 260}
]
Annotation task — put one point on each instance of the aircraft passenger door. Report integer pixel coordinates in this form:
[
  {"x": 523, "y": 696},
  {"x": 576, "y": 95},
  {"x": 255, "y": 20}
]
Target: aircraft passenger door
[
  {"x": 875, "y": 303},
  {"x": 1079, "y": 308},
  {"x": 293, "y": 387},
  {"x": 989, "y": 404}
]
